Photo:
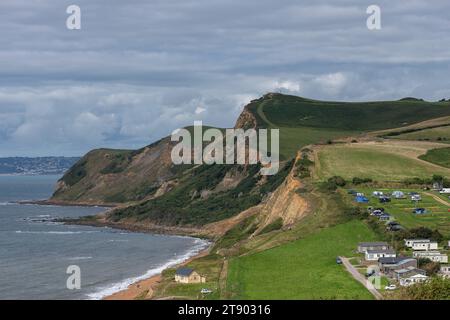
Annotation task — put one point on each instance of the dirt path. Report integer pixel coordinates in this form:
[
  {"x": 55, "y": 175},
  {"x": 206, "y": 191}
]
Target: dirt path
[
  {"x": 360, "y": 278},
  {"x": 438, "y": 199},
  {"x": 223, "y": 279}
]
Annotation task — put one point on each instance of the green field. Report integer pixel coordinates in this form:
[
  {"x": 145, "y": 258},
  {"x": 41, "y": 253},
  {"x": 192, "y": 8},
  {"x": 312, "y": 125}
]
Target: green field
[
  {"x": 401, "y": 209},
  {"x": 375, "y": 163},
  {"x": 303, "y": 269},
  {"x": 293, "y": 139},
  {"x": 441, "y": 134},
  {"x": 292, "y": 111},
  {"x": 438, "y": 156}
]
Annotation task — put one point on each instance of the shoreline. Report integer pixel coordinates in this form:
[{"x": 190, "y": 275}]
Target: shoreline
[
  {"x": 65, "y": 203},
  {"x": 144, "y": 289},
  {"x": 144, "y": 286}
]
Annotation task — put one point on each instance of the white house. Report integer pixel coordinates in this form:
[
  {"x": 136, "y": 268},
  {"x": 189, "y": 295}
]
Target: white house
[
  {"x": 435, "y": 256},
  {"x": 445, "y": 271},
  {"x": 421, "y": 244},
  {"x": 412, "y": 279},
  {"x": 425, "y": 246},
  {"x": 374, "y": 255}
]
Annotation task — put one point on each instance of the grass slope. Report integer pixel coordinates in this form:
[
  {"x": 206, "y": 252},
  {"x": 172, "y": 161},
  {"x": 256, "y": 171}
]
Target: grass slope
[
  {"x": 303, "y": 269},
  {"x": 292, "y": 111},
  {"x": 441, "y": 134},
  {"x": 383, "y": 162},
  {"x": 304, "y": 121},
  {"x": 438, "y": 156}
]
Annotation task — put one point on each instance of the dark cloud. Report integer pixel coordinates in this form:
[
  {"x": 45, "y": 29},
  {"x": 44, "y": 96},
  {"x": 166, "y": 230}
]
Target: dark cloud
[{"x": 139, "y": 69}]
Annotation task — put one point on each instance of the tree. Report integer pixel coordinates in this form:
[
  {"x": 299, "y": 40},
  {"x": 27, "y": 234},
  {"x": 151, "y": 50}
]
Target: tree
[{"x": 437, "y": 288}]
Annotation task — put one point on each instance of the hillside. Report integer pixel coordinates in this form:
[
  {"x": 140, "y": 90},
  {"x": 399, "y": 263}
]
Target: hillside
[
  {"x": 304, "y": 121},
  {"x": 148, "y": 187}
]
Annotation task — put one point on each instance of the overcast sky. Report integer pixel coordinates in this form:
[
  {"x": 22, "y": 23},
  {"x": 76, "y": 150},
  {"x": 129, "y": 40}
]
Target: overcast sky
[{"x": 139, "y": 69}]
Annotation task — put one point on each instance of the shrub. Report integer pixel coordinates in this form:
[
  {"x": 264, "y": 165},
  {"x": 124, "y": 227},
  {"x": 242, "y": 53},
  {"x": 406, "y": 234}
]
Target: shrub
[
  {"x": 357, "y": 180},
  {"x": 275, "y": 225}
]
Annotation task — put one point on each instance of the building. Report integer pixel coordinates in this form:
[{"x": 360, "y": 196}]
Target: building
[
  {"x": 412, "y": 279},
  {"x": 424, "y": 245},
  {"x": 374, "y": 255},
  {"x": 364, "y": 246},
  {"x": 388, "y": 265},
  {"x": 186, "y": 275},
  {"x": 435, "y": 256},
  {"x": 421, "y": 244},
  {"x": 445, "y": 271}
]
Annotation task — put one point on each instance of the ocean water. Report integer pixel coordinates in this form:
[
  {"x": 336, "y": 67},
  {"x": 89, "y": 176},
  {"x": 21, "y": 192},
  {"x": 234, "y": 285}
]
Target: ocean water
[{"x": 35, "y": 253}]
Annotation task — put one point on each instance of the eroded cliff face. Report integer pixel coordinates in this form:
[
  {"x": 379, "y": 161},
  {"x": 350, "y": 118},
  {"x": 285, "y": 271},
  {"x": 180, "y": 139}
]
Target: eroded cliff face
[
  {"x": 284, "y": 203},
  {"x": 106, "y": 176},
  {"x": 246, "y": 120}
]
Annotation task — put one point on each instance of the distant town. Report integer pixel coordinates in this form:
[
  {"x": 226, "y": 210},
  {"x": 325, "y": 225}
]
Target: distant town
[{"x": 36, "y": 166}]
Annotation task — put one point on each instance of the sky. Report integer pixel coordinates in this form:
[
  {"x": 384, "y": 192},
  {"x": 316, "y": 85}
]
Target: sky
[{"x": 139, "y": 69}]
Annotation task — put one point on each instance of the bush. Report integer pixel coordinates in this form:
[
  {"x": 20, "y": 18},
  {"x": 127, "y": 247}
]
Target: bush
[
  {"x": 357, "y": 180},
  {"x": 437, "y": 288},
  {"x": 356, "y": 212},
  {"x": 429, "y": 266},
  {"x": 420, "y": 233},
  {"x": 275, "y": 225}
]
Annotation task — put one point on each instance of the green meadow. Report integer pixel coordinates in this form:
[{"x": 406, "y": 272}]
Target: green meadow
[
  {"x": 438, "y": 156},
  {"x": 440, "y": 134},
  {"x": 381, "y": 165},
  {"x": 302, "y": 269}
]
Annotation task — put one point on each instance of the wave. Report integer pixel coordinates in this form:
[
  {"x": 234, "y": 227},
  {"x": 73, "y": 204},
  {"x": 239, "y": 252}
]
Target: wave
[
  {"x": 79, "y": 258},
  {"x": 8, "y": 203},
  {"x": 124, "y": 284},
  {"x": 55, "y": 232}
]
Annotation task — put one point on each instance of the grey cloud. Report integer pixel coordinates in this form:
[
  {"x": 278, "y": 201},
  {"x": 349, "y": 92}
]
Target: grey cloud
[{"x": 139, "y": 69}]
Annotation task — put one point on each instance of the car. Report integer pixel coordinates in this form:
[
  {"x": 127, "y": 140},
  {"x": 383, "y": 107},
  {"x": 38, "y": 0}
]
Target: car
[
  {"x": 206, "y": 291},
  {"x": 370, "y": 273},
  {"x": 390, "y": 287},
  {"x": 338, "y": 260}
]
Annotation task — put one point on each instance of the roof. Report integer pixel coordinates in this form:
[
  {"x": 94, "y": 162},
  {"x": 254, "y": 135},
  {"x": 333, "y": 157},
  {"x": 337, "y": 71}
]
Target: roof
[
  {"x": 405, "y": 270},
  {"x": 418, "y": 240},
  {"x": 373, "y": 244},
  {"x": 428, "y": 253},
  {"x": 186, "y": 272},
  {"x": 390, "y": 251},
  {"x": 394, "y": 260}
]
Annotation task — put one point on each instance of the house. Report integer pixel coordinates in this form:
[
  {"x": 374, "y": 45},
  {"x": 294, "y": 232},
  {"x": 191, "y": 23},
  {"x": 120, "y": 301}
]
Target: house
[
  {"x": 364, "y": 246},
  {"x": 409, "y": 242},
  {"x": 412, "y": 279},
  {"x": 445, "y": 271},
  {"x": 388, "y": 265},
  {"x": 187, "y": 275},
  {"x": 374, "y": 255},
  {"x": 425, "y": 246},
  {"x": 435, "y": 256},
  {"x": 398, "y": 195}
]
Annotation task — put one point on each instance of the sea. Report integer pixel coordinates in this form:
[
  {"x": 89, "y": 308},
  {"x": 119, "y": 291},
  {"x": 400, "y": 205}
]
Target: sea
[{"x": 41, "y": 259}]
